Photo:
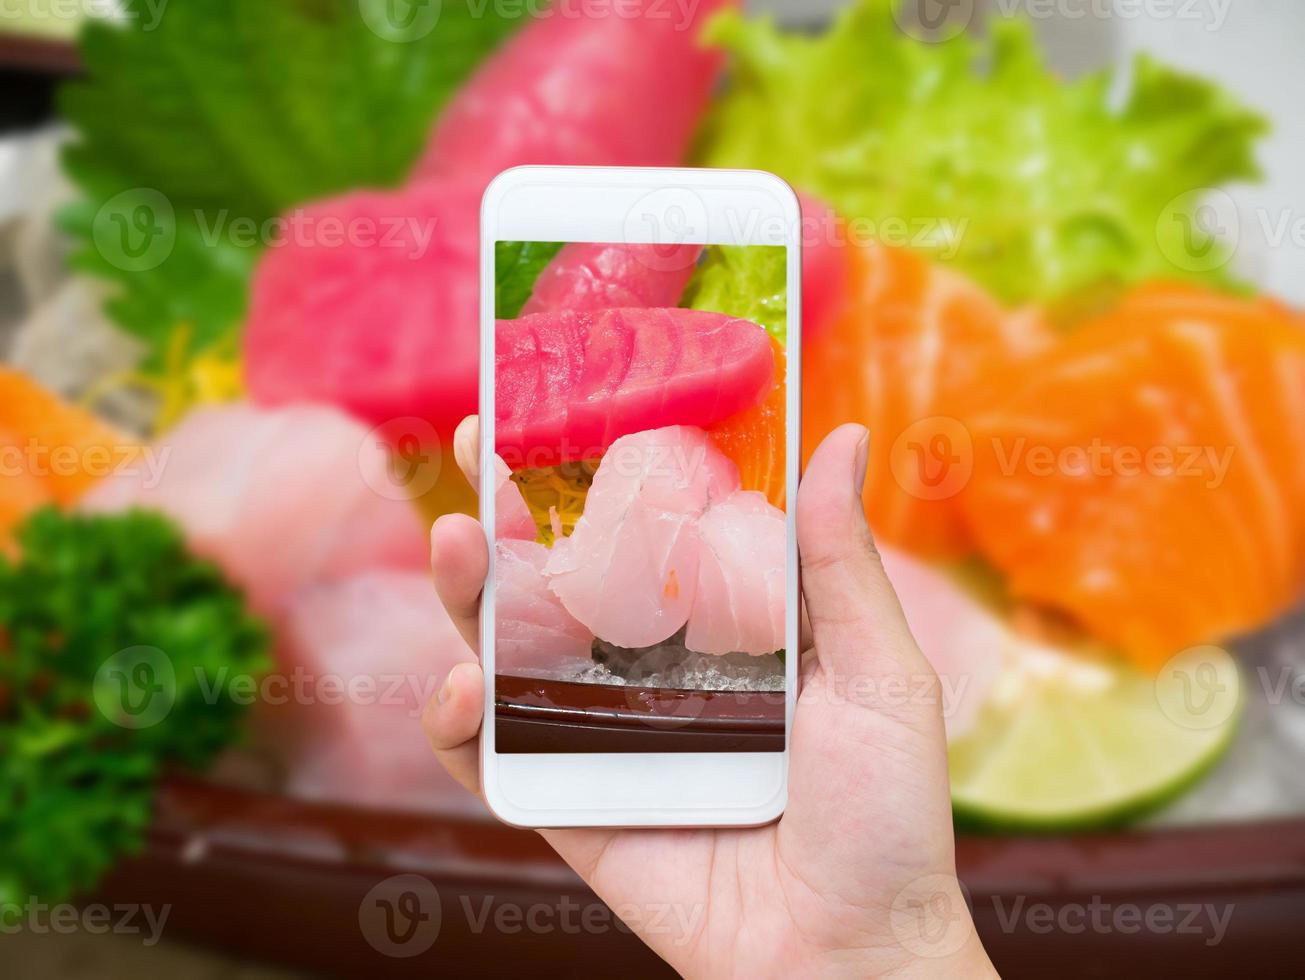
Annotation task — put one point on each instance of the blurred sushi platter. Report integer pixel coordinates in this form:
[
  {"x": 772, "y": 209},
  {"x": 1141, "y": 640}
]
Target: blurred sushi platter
[{"x": 239, "y": 328}]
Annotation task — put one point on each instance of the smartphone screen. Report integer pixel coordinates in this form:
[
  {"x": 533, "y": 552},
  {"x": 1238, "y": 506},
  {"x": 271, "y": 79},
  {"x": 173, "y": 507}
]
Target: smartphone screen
[{"x": 639, "y": 497}]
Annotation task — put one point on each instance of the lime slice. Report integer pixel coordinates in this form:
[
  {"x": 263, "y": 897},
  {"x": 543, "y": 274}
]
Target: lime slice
[{"x": 1068, "y": 743}]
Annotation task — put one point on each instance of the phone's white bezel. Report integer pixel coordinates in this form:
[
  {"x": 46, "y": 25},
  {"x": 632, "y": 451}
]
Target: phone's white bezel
[{"x": 610, "y": 204}]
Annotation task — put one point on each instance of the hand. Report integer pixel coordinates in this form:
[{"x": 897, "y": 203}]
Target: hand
[{"x": 858, "y": 877}]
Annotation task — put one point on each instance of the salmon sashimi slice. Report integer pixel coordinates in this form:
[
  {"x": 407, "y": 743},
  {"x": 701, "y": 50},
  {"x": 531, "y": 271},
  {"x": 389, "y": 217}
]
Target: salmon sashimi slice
[
  {"x": 629, "y": 569},
  {"x": 1145, "y": 477},
  {"x": 588, "y": 276},
  {"x": 63, "y": 447},
  {"x": 755, "y": 439},
  {"x": 909, "y": 357},
  {"x": 568, "y": 385},
  {"x": 532, "y": 627},
  {"x": 738, "y": 604}
]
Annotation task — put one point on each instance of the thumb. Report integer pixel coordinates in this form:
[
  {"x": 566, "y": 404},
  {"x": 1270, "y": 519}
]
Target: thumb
[{"x": 856, "y": 620}]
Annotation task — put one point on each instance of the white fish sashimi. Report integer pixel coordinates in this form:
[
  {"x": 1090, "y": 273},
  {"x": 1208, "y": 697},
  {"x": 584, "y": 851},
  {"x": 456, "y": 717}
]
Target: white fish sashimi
[
  {"x": 279, "y": 498},
  {"x": 738, "y": 606},
  {"x": 511, "y": 515},
  {"x": 532, "y": 628},
  {"x": 629, "y": 569},
  {"x": 359, "y": 659},
  {"x": 965, "y": 642}
]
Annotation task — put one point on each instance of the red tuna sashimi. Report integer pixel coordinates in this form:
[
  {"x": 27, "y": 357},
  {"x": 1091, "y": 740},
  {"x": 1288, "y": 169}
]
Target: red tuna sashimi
[
  {"x": 629, "y": 569},
  {"x": 568, "y": 385},
  {"x": 367, "y": 653},
  {"x": 532, "y": 627},
  {"x": 512, "y": 518},
  {"x": 379, "y": 318},
  {"x": 586, "y": 276},
  {"x": 738, "y": 605},
  {"x": 615, "y": 88},
  {"x": 279, "y": 499}
]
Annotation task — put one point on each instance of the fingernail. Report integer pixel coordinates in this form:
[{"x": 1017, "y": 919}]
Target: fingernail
[
  {"x": 860, "y": 460},
  {"x": 446, "y": 690}
]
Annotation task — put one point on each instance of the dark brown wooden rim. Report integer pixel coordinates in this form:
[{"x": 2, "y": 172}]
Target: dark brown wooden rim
[
  {"x": 39, "y": 54},
  {"x": 537, "y": 715}
]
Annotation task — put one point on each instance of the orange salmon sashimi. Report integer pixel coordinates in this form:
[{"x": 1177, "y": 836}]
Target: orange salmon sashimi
[
  {"x": 754, "y": 438},
  {"x": 909, "y": 357},
  {"x": 1145, "y": 477},
  {"x": 63, "y": 447}
]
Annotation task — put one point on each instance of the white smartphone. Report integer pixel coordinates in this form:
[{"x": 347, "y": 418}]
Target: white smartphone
[{"x": 639, "y": 419}]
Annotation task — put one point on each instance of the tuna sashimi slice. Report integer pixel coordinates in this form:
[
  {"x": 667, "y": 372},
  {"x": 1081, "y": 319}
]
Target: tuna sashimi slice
[
  {"x": 614, "y": 88},
  {"x": 379, "y": 318},
  {"x": 532, "y": 627},
  {"x": 586, "y": 276},
  {"x": 629, "y": 570},
  {"x": 511, "y": 515},
  {"x": 278, "y": 498},
  {"x": 738, "y": 606},
  {"x": 568, "y": 385}
]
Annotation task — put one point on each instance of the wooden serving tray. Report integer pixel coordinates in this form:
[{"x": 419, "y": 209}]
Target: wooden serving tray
[{"x": 275, "y": 879}]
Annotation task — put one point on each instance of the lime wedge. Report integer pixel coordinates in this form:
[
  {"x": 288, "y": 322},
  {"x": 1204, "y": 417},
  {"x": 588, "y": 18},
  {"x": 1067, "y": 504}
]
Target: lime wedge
[{"x": 1071, "y": 744}]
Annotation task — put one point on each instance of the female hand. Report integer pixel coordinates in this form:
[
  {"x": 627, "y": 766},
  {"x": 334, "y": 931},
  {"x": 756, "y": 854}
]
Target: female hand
[{"x": 858, "y": 877}]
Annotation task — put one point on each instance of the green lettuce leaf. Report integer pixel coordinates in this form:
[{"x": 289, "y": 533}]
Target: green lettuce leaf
[
  {"x": 516, "y": 267},
  {"x": 974, "y": 151},
  {"x": 748, "y": 281},
  {"x": 198, "y": 125}
]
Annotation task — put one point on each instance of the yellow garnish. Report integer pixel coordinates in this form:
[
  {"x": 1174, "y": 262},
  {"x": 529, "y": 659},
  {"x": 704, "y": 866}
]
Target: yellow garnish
[
  {"x": 556, "y": 493},
  {"x": 213, "y": 377}
]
